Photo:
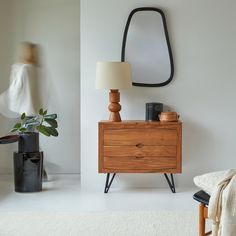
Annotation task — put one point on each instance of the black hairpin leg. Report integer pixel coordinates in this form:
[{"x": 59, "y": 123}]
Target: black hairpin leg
[
  {"x": 171, "y": 182},
  {"x": 108, "y": 183}
]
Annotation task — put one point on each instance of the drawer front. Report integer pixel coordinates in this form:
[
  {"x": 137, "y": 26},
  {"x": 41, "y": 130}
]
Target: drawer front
[
  {"x": 129, "y": 137},
  {"x": 139, "y": 164},
  {"x": 138, "y": 147},
  {"x": 140, "y": 151}
]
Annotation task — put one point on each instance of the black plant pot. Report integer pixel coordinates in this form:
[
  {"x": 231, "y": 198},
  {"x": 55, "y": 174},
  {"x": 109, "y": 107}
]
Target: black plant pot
[
  {"x": 28, "y": 162},
  {"x": 28, "y": 142},
  {"x": 28, "y": 169}
]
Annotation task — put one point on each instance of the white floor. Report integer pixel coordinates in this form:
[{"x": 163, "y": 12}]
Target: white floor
[{"x": 63, "y": 193}]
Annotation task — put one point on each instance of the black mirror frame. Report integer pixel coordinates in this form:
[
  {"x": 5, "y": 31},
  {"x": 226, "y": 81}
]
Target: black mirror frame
[{"x": 167, "y": 41}]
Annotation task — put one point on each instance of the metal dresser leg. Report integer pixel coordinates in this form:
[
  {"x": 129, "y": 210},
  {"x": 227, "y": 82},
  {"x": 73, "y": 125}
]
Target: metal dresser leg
[
  {"x": 109, "y": 182},
  {"x": 170, "y": 182}
]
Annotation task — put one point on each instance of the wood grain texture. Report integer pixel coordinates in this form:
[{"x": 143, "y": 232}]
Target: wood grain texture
[
  {"x": 140, "y": 164},
  {"x": 140, "y": 147},
  {"x": 202, "y": 220},
  {"x": 140, "y": 136},
  {"x": 131, "y": 124},
  {"x": 114, "y": 106},
  {"x": 179, "y": 148},
  {"x": 139, "y": 151},
  {"x": 205, "y": 212}
]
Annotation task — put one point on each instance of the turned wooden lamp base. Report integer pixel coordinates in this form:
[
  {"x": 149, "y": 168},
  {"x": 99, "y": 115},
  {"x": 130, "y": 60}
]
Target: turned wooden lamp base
[{"x": 114, "y": 106}]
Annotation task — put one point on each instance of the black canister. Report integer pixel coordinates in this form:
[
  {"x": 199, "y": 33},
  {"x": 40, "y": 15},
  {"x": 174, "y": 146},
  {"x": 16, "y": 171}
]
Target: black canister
[
  {"x": 153, "y": 109},
  {"x": 28, "y": 142},
  {"x": 28, "y": 169}
]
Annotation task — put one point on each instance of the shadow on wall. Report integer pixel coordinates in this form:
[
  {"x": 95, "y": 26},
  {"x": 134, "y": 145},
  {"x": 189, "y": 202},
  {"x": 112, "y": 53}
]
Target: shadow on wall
[
  {"x": 202, "y": 142},
  {"x": 44, "y": 78},
  {"x": 46, "y": 81},
  {"x": 133, "y": 102}
]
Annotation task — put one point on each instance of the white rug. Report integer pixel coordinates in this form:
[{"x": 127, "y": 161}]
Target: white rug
[{"x": 99, "y": 224}]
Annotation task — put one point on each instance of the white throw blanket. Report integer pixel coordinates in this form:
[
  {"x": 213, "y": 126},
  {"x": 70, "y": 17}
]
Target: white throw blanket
[
  {"x": 22, "y": 94},
  {"x": 222, "y": 206}
]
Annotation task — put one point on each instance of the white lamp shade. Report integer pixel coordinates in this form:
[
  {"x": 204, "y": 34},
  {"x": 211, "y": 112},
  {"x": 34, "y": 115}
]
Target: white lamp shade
[{"x": 113, "y": 75}]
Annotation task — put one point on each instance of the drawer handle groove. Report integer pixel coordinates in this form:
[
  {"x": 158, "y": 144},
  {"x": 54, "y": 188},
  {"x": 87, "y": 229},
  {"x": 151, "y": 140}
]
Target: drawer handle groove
[{"x": 139, "y": 145}]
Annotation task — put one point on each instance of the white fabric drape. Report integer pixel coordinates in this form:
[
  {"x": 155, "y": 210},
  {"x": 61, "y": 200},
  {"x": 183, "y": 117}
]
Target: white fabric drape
[
  {"x": 222, "y": 206},
  {"x": 22, "y": 94}
]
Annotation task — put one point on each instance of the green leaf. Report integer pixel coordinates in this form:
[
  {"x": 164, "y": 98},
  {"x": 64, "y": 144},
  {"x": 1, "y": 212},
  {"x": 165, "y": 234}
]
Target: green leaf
[
  {"x": 42, "y": 130},
  {"x": 53, "y": 123},
  {"x": 33, "y": 123},
  {"x": 45, "y": 112},
  {"x": 32, "y": 126},
  {"x": 17, "y": 126},
  {"x": 30, "y": 121},
  {"x": 22, "y": 130},
  {"x": 52, "y": 131},
  {"x": 23, "y": 116},
  {"x": 41, "y": 112},
  {"x": 13, "y": 130},
  {"x": 51, "y": 116}
]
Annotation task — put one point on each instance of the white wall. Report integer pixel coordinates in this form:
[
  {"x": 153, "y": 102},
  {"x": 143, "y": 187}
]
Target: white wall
[
  {"x": 203, "y": 39},
  {"x": 54, "y": 26},
  {"x": 5, "y": 60}
]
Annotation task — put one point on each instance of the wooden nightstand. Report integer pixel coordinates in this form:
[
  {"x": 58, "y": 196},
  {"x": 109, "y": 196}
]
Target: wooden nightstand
[{"x": 140, "y": 147}]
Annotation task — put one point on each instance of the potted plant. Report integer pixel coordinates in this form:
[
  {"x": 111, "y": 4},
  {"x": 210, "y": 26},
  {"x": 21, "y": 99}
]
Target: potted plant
[
  {"x": 28, "y": 161},
  {"x": 30, "y": 127}
]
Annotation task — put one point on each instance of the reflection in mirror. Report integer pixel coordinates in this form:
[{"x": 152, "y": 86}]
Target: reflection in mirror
[{"x": 146, "y": 47}]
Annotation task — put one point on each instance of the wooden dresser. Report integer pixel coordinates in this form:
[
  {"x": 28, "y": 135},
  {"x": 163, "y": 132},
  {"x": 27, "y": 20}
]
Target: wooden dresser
[{"x": 140, "y": 147}]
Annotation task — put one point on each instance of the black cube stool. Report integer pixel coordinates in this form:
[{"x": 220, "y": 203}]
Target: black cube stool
[{"x": 203, "y": 198}]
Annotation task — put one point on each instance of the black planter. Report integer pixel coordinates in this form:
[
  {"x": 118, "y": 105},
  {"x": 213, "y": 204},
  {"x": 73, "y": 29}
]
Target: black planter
[
  {"x": 28, "y": 142},
  {"x": 28, "y": 169},
  {"x": 28, "y": 162}
]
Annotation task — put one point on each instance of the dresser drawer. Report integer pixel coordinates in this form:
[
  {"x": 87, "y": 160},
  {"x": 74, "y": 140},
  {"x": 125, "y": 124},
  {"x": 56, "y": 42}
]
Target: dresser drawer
[
  {"x": 140, "y": 147},
  {"x": 140, "y": 151},
  {"x": 139, "y": 164},
  {"x": 120, "y": 137}
]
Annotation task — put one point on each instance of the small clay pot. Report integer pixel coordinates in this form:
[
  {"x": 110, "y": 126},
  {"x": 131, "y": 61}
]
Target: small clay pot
[{"x": 169, "y": 116}]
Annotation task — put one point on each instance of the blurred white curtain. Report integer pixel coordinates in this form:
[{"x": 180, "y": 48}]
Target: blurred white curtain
[{"x": 22, "y": 94}]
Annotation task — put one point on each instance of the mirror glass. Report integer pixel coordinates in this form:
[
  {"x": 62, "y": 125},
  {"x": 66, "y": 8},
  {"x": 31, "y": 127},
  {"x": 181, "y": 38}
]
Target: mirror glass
[{"x": 146, "y": 47}]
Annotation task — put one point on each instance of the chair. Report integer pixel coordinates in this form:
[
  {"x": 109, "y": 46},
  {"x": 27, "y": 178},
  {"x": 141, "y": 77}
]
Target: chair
[{"x": 203, "y": 198}]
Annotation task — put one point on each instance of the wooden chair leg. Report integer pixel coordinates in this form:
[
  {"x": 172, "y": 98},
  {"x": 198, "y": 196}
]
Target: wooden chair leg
[{"x": 202, "y": 220}]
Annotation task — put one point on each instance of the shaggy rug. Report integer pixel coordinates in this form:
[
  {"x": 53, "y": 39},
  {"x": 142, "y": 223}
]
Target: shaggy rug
[{"x": 165, "y": 223}]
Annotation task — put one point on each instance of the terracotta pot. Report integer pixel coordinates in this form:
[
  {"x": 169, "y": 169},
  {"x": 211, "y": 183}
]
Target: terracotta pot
[{"x": 169, "y": 116}]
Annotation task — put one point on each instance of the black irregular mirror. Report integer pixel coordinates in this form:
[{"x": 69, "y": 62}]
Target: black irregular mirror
[{"x": 146, "y": 47}]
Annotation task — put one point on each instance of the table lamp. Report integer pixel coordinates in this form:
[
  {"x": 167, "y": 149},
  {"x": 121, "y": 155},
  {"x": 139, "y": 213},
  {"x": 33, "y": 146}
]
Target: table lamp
[{"x": 113, "y": 76}]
